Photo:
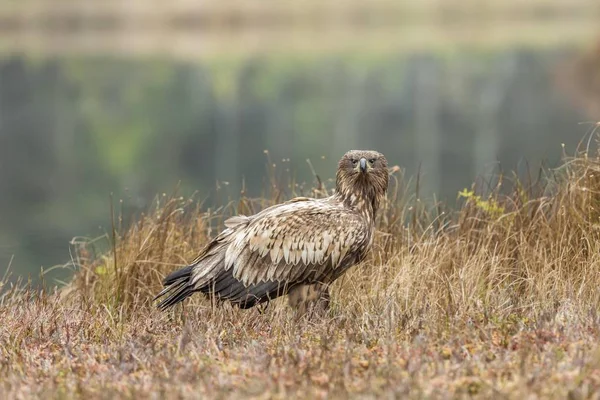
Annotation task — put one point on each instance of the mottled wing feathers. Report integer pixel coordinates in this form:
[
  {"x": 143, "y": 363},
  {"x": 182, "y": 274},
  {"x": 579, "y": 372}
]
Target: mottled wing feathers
[
  {"x": 303, "y": 240},
  {"x": 295, "y": 241}
]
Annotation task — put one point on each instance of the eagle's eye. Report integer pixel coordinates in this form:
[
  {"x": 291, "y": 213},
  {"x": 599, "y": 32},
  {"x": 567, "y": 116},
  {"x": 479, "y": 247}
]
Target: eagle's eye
[
  {"x": 372, "y": 160},
  {"x": 354, "y": 161}
]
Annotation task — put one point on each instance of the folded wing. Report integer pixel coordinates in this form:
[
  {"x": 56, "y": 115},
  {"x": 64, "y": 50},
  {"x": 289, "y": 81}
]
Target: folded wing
[
  {"x": 297, "y": 242},
  {"x": 261, "y": 257}
]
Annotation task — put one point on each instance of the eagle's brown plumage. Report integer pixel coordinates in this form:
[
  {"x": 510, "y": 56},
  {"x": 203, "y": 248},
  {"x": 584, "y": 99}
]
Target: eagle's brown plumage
[{"x": 301, "y": 242}]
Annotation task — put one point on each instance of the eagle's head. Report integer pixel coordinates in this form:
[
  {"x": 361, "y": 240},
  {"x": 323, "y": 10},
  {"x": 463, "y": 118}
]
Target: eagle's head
[{"x": 362, "y": 178}]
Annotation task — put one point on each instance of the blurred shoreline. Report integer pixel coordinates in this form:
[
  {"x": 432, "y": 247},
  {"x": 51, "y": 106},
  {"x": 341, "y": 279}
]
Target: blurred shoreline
[{"x": 191, "y": 30}]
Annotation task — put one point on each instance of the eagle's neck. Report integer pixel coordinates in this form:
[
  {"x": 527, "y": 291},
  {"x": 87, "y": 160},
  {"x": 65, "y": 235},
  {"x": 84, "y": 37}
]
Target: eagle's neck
[{"x": 360, "y": 197}]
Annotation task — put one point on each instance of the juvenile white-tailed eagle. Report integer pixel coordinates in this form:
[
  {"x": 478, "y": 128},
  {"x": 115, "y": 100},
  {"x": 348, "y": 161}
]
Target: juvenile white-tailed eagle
[{"x": 285, "y": 247}]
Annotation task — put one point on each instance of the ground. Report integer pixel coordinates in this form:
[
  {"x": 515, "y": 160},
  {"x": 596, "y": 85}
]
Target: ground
[{"x": 498, "y": 298}]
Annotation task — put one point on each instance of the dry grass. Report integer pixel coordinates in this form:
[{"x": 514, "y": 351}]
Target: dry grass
[{"x": 498, "y": 298}]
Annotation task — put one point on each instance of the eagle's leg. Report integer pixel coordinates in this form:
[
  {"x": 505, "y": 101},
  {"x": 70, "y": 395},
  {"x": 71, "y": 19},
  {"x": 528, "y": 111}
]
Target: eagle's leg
[{"x": 313, "y": 299}]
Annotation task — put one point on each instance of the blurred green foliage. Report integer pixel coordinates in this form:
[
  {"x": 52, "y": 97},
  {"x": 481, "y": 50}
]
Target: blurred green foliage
[{"x": 72, "y": 131}]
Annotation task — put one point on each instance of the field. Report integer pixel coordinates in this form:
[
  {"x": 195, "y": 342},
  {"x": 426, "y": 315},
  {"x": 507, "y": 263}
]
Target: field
[{"x": 497, "y": 297}]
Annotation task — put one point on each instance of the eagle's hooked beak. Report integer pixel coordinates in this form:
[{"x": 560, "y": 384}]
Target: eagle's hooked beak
[{"x": 363, "y": 165}]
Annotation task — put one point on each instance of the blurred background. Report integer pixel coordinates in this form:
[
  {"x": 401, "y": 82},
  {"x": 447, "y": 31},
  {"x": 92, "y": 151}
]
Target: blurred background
[{"x": 132, "y": 97}]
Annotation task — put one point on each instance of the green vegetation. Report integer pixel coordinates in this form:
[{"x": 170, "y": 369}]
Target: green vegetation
[
  {"x": 498, "y": 298},
  {"x": 76, "y": 130}
]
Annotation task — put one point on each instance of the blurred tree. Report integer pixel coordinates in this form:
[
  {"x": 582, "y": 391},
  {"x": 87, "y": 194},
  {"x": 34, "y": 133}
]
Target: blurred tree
[{"x": 73, "y": 131}]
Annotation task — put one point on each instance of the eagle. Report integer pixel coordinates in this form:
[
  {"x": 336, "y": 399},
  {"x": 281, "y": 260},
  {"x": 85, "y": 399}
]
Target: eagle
[{"x": 297, "y": 248}]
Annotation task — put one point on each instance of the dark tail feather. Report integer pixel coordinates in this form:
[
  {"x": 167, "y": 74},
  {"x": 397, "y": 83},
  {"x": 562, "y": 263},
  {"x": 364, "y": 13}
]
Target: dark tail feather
[
  {"x": 177, "y": 275},
  {"x": 224, "y": 286},
  {"x": 177, "y": 288}
]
